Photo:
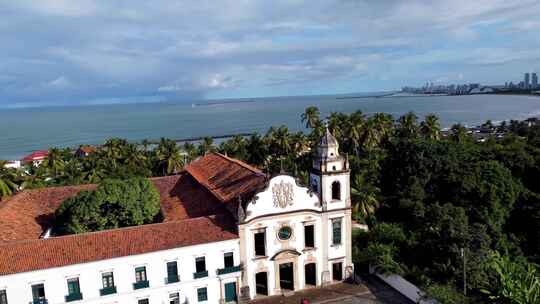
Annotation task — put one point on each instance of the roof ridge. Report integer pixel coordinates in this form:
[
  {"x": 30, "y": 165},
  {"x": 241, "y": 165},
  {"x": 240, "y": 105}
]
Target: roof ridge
[
  {"x": 239, "y": 162},
  {"x": 77, "y": 235}
]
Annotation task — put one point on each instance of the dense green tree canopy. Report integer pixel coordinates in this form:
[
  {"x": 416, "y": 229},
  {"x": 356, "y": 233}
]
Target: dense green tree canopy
[{"x": 114, "y": 204}]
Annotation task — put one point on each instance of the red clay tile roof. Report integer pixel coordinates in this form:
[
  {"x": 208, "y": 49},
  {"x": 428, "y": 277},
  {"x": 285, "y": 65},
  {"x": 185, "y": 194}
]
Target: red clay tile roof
[
  {"x": 191, "y": 205},
  {"x": 182, "y": 197},
  {"x": 27, "y": 214},
  {"x": 88, "y": 247},
  {"x": 36, "y": 155},
  {"x": 87, "y": 149},
  {"x": 225, "y": 177}
]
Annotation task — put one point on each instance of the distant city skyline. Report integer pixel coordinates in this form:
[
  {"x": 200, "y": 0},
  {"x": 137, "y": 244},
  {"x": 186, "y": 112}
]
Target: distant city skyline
[{"x": 92, "y": 52}]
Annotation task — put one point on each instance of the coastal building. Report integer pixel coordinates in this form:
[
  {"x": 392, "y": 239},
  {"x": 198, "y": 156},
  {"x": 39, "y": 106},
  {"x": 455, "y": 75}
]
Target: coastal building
[
  {"x": 85, "y": 150},
  {"x": 230, "y": 233},
  {"x": 14, "y": 164},
  {"x": 534, "y": 81},
  {"x": 35, "y": 158},
  {"x": 526, "y": 81}
]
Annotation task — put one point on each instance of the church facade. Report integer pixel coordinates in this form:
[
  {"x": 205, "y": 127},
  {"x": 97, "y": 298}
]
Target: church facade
[{"x": 230, "y": 234}]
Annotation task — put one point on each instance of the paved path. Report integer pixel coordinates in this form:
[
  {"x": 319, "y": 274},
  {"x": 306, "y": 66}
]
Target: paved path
[{"x": 371, "y": 291}]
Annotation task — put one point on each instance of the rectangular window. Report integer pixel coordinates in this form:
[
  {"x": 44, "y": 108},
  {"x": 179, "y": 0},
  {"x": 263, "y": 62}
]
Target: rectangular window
[
  {"x": 3, "y": 297},
  {"x": 143, "y": 301},
  {"x": 73, "y": 286},
  {"x": 336, "y": 231},
  {"x": 309, "y": 236},
  {"x": 228, "y": 259},
  {"x": 140, "y": 274},
  {"x": 174, "y": 298},
  {"x": 202, "y": 294},
  {"x": 172, "y": 272},
  {"x": 260, "y": 246},
  {"x": 38, "y": 292},
  {"x": 107, "y": 279},
  {"x": 337, "y": 272},
  {"x": 200, "y": 264}
]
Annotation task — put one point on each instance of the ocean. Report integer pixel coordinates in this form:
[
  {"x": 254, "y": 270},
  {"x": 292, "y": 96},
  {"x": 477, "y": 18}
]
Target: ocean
[{"x": 28, "y": 129}]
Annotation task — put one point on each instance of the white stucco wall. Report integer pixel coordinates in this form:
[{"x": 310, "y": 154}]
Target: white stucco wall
[
  {"x": 305, "y": 209},
  {"x": 18, "y": 286}
]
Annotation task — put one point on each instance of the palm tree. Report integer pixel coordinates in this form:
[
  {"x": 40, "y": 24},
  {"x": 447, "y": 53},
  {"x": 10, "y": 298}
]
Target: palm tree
[
  {"x": 311, "y": 117},
  {"x": 54, "y": 162},
  {"x": 459, "y": 133},
  {"x": 355, "y": 129},
  {"x": 134, "y": 157},
  {"x": 207, "y": 145},
  {"x": 430, "y": 127},
  {"x": 282, "y": 140},
  {"x": 336, "y": 124},
  {"x": 364, "y": 197},
  {"x": 190, "y": 152},
  {"x": 8, "y": 176},
  {"x": 258, "y": 150},
  {"x": 384, "y": 124},
  {"x": 408, "y": 127},
  {"x": 73, "y": 173},
  {"x": 169, "y": 156},
  {"x": 298, "y": 144},
  {"x": 113, "y": 148}
]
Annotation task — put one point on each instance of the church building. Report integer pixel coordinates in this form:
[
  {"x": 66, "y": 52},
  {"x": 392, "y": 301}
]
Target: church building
[{"x": 230, "y": 234}]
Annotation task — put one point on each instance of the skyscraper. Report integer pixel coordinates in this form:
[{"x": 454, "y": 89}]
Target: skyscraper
[
  {"x": 527, "y": 83},
  {"x": 534, "y": 83}
]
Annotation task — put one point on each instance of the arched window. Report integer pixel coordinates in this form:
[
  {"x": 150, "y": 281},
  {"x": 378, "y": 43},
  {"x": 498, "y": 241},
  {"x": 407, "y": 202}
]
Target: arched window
[{"x": 336, "y": 191}]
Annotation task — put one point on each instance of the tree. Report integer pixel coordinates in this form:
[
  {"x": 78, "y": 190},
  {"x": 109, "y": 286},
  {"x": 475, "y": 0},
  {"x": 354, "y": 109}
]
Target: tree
[
  {"x": 169, "y": 157},
  {"x": 114, "y": 204},
  {"x": 207, "y": 145},
  {"x": 430, "y": 127},
  {"x": 355, "y": 130},
  {"x": 8, "y": 179},
  {"x": 258, "y": 151},
  {"x": 113, "y": 149},
  {"x": 337, "y": 123},
  {"x": 311, "y": 117},
  {"x": 364, "y": 197},
  {"x": 54, "y": 162},
  {"x": 408, "y": 126},
  {"x": 515, "y": 281}
]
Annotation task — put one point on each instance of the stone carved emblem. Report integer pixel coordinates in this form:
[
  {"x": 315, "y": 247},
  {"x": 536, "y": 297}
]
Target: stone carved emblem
[{"x": 282, "y": 194}]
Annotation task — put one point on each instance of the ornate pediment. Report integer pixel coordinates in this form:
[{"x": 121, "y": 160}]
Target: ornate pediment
[{"x": 283, "y": 194}]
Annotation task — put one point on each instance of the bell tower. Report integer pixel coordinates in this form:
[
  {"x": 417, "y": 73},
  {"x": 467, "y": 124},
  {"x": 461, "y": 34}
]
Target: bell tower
[{"x": 330, "y": 174}]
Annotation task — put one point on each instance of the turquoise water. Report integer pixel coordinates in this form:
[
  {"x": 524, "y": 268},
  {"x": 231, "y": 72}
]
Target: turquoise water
[{"x": 25, "y": 130}]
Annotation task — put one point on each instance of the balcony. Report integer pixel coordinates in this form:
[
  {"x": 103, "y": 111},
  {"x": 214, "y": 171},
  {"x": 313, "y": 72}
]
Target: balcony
[
  {"x": 172, "y": 279},
  {"x": 141, "y": 284},
  {"x": 227, "y": 270},
  {"x": 107, "y": 291},
  {"x": 39, "y": 301},
  {"x": 202, "y": 274},
  {"x": 74, "y": 297}
]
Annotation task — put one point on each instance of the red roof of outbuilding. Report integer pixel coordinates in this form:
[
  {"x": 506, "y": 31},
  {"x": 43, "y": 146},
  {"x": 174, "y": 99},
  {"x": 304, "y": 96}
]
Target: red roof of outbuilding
[{"x": 36, "y": 155}]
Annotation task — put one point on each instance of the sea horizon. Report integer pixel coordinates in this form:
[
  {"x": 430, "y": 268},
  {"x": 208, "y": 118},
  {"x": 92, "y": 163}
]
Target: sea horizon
[{"x": 37, "y": 128}]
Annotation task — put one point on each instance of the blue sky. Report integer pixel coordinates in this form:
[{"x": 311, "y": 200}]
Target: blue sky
[{"x": 88, "y": 52}]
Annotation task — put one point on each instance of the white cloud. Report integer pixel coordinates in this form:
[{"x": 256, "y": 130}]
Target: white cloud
[
  {"x": 232, "y": 45},
  {"x": 61, "y": 82}
]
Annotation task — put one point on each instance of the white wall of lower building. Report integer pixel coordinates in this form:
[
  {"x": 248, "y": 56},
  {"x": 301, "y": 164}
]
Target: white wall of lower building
[{"x": 18, "y": 286}]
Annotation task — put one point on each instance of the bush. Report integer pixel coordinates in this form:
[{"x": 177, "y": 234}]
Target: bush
[
  {"x": 114, "y": 204},
  {"x": 383, "y": 258},
  {"x": 445, "y": 294}
]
